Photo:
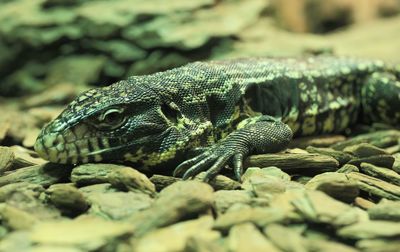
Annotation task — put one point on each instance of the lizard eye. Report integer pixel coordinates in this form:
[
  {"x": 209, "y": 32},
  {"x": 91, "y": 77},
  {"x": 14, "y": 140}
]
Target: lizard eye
[{"x": 110, "y": 119}]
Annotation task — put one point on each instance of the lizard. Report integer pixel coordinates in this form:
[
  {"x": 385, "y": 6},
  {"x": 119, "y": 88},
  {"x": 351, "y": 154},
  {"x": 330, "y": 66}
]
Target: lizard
[{"x": 223, "y": 111}]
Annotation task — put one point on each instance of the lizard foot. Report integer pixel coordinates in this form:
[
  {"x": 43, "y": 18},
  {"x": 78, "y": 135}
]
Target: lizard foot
[
  {"x": 213, "y": 160},
  {"x": 257, "y": 135}
]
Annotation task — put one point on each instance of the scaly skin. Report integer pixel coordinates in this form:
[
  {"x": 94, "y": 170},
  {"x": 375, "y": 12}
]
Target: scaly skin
[{"x": 228, "y": 109}]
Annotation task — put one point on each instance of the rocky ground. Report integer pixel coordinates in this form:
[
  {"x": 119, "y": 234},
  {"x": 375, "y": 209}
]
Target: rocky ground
[
  {"x": 325, "y": 193},
  {"x": 336, "y": 194}
]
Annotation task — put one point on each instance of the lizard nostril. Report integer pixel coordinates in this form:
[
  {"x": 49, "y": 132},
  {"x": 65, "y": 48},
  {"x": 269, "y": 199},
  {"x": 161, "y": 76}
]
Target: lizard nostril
[
  {"x": 56, "y": 142},
  {"x": 52, "y": 141}
]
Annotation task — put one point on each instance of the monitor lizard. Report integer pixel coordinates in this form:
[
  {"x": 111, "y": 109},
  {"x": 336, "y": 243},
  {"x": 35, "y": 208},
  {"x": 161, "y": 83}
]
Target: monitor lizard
[{"x": 224, "y": 110}]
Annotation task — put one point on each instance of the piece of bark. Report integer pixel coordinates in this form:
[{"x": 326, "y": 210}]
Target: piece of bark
[
  {"x": 316, "y": 141},
  {"x": 20, "y": 191},
  {"x": 340, "y": 156},
  {"x": 381, "y": 172},
  {"x": 347, "y": 168},
  {"x": 16, "y": 219},
  {"x": 4, "y": 127},
  {"x": 385, "y": 210},
  {"x": 6, "y": 159},
  {"x": 122, "y": 177},
  {"x": 370, "y": 230},
  {"x": 262, "y": 184},
  {"x": 376, "y": 186},
  {"x": 328, "y": 246},
  {"x": 285, "y": 238},
  {"x": 257, "y": 215},
  {"x": 116, "y": 205},
  {"x": 45, "y": 175},
  {"x": 318, "y": 207},
  {"x": 67, "y": 198},
  {"x": 396, "y": 164},
  {"x": 363, "y": 203},
  {"x": 378, "y": 160},
  {"x": 25, "y": 157},
  {"x": 336, "y": 185},
  {"x": 88, "y": 174},
  {"x": 379, "y": 245},
  {"x": 176, "y": 236},
  {"x": 87, "y": 233},
  {"x": 199, "y": 244},
  {"x": 393, "y": 149},
  {"x": 246, "y": 237},
  {"x": 265, "y": 187},
  {"x": 175, "y": 202},
  {"x": 30, "y": 137},
  {"x": 224, "y": 199},
  {"x": 381, "y": 139},
  {"x": 129, "y": 179},
  {"x": 162, "y": 181},
  {"x": 364, "y": 150},
  {"x": 220, "y": 182},
  {"x": 266, "y": 172},
  {"x": 287, "y": 161}
]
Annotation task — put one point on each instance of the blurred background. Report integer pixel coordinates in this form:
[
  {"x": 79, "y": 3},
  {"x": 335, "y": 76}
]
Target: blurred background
[{"x": 50, "y": 50}]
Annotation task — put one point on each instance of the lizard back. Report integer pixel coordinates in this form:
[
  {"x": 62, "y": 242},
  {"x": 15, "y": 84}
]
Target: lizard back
[{"x": 313, "y": 95}]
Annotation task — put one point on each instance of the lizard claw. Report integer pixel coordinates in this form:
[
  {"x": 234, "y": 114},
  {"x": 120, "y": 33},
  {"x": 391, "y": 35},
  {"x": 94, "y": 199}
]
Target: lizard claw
[
  {"x": 238, "y": 166},
  {"x": 197, "y": 168},
  {"x": 212, "y": 162},
  {"x": 184, "y": 167},
  {"x": 213, "y": 171}
]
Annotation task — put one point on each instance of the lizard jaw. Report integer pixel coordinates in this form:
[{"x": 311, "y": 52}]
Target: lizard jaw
[
  {"x": 47, "y": 147},
  {"x": 77, "y": 152},
  {"x": 52, "y": 149}
]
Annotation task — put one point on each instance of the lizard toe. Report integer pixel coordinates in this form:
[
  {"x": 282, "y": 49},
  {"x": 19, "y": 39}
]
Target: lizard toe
[
  {"x": 198, "y": 167},
  {"x": 238, "y": 166},
  {"x": 213, "y": 171},
  {"x": 184, "y": 166}
]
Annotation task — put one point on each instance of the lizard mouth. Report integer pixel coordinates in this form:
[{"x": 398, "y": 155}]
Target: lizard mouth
[
  {"x": 77, "y": 145},
  {"x": 72, "y": 146},
  {"x": 80, "y": 151},
  {"x": 56, "y": 149}
]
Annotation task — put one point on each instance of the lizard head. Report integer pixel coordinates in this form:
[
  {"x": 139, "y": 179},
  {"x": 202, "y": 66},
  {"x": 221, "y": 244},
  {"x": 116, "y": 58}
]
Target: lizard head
[{"x": 122, "y": 122}]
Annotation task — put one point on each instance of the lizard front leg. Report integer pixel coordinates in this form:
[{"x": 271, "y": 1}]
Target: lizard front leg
[{"x": 264, "y": 134}]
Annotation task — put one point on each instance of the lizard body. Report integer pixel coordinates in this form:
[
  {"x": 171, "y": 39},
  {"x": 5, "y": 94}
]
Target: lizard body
[{"x": 230, "y": 109}]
